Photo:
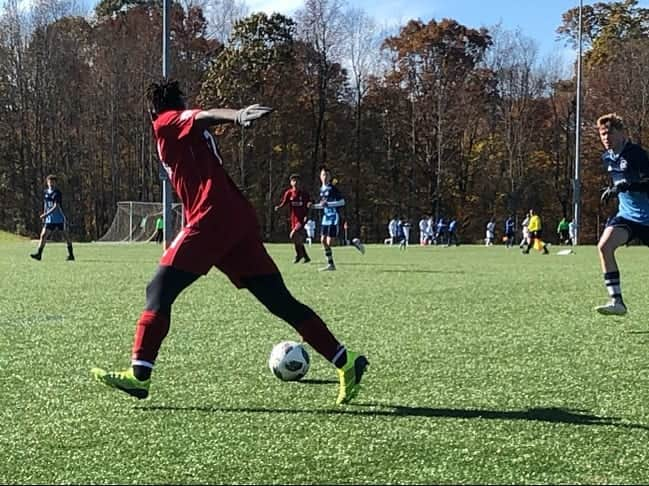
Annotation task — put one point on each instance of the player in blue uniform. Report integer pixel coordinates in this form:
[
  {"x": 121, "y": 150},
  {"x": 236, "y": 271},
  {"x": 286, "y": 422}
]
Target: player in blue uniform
[
  {"x": 627, "y": 165},
  {"x": 331, "y": 200},
  {"x": 53, "y": 218},
  {"x": 452, "y": 233},
  {"x": 510, "y": 233},
  {"x": 440, "y": 233}
]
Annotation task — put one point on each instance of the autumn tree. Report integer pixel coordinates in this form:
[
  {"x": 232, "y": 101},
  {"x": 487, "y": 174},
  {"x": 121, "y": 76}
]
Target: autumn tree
[{"x": 437, "y": 62}]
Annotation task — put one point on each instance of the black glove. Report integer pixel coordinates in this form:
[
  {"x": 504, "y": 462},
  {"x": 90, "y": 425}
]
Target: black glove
[{"x": 613, "y": 191}]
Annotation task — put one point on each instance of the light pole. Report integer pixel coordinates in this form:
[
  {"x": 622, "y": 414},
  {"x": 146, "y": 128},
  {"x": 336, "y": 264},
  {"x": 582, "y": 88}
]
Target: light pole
[
  {"x": 577, "y": 183},
  {"x": 166, "y": 183}
]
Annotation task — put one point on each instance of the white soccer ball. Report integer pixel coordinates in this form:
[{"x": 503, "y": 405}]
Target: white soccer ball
[{"x": 289, "y": 361}]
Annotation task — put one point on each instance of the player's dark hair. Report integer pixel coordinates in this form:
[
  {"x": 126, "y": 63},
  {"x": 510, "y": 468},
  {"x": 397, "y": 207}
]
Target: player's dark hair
[
  {"x": 325, "y": 168},
  {"x": 51, "y": 177},
  {"x": 294, "y": 176},
  {"x": 165, "y": 95}
]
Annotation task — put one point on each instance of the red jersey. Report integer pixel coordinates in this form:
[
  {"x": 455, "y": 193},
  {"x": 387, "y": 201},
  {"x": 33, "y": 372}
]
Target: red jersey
[
  {"x": 298, "y": 203},
  {"x": 211, "y": 200}
]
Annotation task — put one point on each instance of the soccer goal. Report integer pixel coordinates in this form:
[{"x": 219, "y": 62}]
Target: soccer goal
[{"x": 135, "y": 221}]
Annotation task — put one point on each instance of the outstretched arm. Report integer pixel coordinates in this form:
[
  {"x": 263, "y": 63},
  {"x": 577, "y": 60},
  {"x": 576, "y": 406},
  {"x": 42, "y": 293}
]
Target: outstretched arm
[
  {"x": 216, "y": 116},
  {"x": 219, "y": 116}
]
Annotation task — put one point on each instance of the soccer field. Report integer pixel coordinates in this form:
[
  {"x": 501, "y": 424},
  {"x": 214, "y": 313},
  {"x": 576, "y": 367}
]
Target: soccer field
[{"x": 486, "y": 366}]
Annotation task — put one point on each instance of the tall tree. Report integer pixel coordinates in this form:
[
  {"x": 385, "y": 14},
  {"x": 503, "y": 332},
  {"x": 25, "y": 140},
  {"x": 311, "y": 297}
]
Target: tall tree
[
  {"x": 322, "y": 27},
  {"x": 436, "y": 61},
  {"x": 362, "y": 55}
]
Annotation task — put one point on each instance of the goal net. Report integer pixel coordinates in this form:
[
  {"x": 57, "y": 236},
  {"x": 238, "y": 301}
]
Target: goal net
[{"x": 135, "y": 221}]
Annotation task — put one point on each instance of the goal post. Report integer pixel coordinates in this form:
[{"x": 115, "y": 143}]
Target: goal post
[{"x": 135, "y": 221}]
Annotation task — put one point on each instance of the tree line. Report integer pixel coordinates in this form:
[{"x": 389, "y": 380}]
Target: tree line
[{"x": 431, "y": 117}]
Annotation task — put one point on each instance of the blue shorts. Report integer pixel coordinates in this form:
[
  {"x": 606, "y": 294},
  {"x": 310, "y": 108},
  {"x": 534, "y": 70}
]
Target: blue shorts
[
  {"x": 330, "y": 230},
  {"x": 636, "y": 230},
  {"x": 54, "y": 226}
]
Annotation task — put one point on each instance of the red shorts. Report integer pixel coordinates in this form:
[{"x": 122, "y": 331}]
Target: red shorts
[{"x": 198, "y": 251}]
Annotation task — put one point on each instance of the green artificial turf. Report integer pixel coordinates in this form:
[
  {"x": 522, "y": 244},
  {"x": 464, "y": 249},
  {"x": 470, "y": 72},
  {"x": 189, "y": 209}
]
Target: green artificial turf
[{"x": 486, "y": 366}]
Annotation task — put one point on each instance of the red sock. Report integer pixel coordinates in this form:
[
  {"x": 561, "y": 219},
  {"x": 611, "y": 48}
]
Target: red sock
[
  {"x": 315, "y": 332},
  {"x": 150, "y": 331}
]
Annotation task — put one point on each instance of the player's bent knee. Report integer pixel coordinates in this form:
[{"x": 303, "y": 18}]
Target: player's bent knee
[{"x": 607, "y": 246}]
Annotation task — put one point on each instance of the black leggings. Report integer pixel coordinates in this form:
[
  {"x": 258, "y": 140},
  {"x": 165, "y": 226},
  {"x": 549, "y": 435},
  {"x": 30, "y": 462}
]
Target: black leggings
[
  {"x": 270, "y": 290},
  {"x": 165, "y": 286}
]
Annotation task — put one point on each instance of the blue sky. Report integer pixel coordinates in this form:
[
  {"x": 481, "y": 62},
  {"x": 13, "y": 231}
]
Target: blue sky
[{"x": 537, "y": 19}]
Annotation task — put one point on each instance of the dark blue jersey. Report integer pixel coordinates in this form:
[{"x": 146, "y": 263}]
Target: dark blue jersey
[
  {"x": 631, "y": 165},
  {"x": 50, "y": 198},
  {"x": 330, "y": 200},
  {"x": 509, "y": 226}
]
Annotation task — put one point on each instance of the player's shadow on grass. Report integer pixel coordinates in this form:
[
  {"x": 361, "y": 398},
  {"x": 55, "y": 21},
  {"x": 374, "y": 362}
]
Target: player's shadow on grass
[{"x": 537, "y": 414}]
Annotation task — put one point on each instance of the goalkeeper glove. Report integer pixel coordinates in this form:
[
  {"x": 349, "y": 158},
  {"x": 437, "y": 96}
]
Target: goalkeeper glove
[
  {"x": 613, "y": 191},
  {"x": 246, "y": 116}
]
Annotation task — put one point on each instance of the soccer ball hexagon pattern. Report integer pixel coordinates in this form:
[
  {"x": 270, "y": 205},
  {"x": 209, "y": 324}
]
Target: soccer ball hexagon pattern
[{"x": 289, "y": 361}]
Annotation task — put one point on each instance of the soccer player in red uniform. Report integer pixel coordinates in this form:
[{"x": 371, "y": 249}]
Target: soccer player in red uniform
[
  {"x": 221, "y": 231},
  {"x": 299, "y": 202}
]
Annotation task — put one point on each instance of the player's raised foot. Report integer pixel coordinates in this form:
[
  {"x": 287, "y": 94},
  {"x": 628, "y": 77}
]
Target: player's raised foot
[
  {"x": 328, "y": 268},
  {"x": 350, "y": 377},
  {"x": 612, "y": 309},
  {"x": 124, "y": 381},
  {"x": 36, "y": 256},
  {"x": 306, "y": 259},
  {"x": 356, "y": 242},
  {"x": 297, "y": 259}
]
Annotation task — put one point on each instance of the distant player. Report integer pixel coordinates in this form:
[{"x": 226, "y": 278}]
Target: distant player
[
  {"x": 627, "y": 165},
  {"x": 331, "y": 200},
  {"x": 510, "y": 233},
  {"x": 393, "y": 228},
  {"x": 221, "y": 231},
  {"x": 490, "y": 232},
  {"x": 525, "y": 231},
  {"x": 440, "y": 231},
  {"x": 404, "y": 234},
  {"x": 535, "y": 232},
  {"x": 53, "y": 219},
  {"x": 563, "y": 232},
  {"x": 309, "y": 226},
  {"x": 299, "y": 202},
  {"x": 423, "y": 230},
  {"x": 452, "y": 233},
  {"x": 430, "y": 230},
  {"x": 158, "y": 236},
  {"x": 571, "y": 232}
]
